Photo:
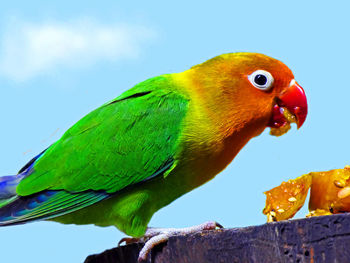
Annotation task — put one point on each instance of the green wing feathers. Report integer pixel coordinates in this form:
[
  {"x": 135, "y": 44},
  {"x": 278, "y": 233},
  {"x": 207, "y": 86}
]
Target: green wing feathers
[{"x": 124, "y": 142}]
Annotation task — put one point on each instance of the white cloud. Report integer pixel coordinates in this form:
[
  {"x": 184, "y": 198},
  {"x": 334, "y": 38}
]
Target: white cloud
[{"x": 29, "y": 49}]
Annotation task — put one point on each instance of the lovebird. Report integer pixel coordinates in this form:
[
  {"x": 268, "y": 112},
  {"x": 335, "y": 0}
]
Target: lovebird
[{"x": 160, "y": 139}]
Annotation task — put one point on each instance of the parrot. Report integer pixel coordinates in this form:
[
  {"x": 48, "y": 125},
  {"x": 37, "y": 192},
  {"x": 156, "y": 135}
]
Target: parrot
[{"x": 155, "y": 142}]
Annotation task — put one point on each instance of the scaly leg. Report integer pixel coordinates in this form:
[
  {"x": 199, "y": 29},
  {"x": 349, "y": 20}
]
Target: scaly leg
[{"x": 156, "y": 236}]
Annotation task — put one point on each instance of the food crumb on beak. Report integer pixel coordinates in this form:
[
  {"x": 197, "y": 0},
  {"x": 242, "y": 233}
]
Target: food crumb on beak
[{"x": 289, "y": 118}]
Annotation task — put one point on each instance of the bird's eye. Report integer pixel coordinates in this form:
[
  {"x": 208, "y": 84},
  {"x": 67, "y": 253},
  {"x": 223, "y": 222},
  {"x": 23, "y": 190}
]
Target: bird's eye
[{"x": 261, "y": 79}]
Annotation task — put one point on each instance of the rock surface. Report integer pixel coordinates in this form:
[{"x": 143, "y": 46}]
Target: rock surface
[{"x": 317, "y": 239}]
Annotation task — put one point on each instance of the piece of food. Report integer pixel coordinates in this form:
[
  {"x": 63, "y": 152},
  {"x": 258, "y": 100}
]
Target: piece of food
[
  {"x": 285, "y": 126},
  {"x": 283, "y": 201},
  {"x": 330, "y": 194}
]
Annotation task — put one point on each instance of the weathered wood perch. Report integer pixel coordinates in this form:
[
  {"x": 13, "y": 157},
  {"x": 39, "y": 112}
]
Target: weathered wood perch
[{"x": 318, "y": 239}]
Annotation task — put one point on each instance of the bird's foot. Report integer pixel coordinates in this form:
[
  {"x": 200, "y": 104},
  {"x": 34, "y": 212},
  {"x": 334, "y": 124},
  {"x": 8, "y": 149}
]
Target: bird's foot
[{"x": 156, "y": 236}]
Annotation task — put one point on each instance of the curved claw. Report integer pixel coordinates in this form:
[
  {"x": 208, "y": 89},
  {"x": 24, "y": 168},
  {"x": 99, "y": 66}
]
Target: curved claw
[
  {"x": 219, "y": 225},
  {"x": 210, "y": 225},
  {"x": 128, "y": 240}
]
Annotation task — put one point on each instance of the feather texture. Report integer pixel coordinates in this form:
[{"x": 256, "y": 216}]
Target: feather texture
[{"x": 46, "y": 205}]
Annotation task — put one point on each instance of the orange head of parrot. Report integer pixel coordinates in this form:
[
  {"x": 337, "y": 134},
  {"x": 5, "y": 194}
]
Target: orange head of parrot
[{"x": 251, "y": 90}]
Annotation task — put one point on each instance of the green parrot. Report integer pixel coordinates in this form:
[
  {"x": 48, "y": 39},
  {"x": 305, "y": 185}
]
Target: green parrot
[{"x": 162, "y": 138}]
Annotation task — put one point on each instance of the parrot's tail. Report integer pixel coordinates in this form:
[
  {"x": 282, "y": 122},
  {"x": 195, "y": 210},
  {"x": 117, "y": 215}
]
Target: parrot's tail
[
  {"x": 8, "y": 186},
  {"x": 47, "y": 204}
]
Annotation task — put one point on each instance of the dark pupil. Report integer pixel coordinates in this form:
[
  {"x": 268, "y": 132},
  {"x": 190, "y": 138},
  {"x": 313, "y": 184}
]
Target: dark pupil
[{"x": 260, "y": 80}]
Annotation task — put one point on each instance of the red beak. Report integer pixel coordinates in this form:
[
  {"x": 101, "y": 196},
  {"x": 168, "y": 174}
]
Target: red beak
[{"x": 294, "y": 100}]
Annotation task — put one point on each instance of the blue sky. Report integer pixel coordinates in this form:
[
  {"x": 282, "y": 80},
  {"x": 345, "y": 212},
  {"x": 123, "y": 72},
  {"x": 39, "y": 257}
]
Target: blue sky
[{"x": 61, "y": 59}]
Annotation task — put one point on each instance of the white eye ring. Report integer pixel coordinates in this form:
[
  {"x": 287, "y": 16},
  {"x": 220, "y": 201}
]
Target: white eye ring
[{"x": 261, "y": 79}]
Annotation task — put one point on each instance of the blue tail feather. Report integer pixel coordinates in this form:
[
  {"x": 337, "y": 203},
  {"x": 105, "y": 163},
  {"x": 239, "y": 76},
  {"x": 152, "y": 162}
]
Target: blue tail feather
[
  {"x": 47, "y": 204},
  {"x": 8, "y": 185}
]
